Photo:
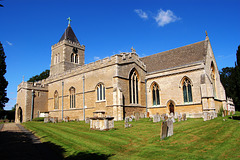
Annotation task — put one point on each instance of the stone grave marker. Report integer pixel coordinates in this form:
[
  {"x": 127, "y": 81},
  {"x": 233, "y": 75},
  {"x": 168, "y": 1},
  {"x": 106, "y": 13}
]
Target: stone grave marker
[
  {"x": 137, "y": 116},
  {"x": 204, "y": 116},
  {"x": 179, "y": 118},
  {"x": 155, "y": 118},
  {"x": 87, "y": 120},
  {"x": 46, "y": 120},
  {"x": 130, "y": 119},
  {"x": 170, "y": 127},
  {"x": 184, "y": 118},
  {"x": 66, "y": 119},
  {"x": 142, "y": 115},
  {"x": 55, "y": 119},
  {"x": 164, "y": 130}
]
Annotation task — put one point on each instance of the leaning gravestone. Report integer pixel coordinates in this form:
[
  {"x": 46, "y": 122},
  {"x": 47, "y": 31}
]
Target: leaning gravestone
[{"x": 164, "y": 130}]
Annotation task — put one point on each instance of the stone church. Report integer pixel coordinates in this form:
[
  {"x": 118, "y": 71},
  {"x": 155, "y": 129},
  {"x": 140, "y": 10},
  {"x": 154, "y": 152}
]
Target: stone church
[{"x": 181, "y": 80}]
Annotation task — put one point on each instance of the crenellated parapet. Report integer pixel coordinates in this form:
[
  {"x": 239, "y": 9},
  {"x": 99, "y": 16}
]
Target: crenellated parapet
[
  {"x": 40, "y": 86},
  {"x": 125, "y": 57}
]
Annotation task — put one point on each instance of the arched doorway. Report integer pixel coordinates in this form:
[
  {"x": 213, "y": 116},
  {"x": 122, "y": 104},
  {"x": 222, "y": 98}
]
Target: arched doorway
[
  {"x": 20, "y": 114},
  {"x": 171, "y": 106}
]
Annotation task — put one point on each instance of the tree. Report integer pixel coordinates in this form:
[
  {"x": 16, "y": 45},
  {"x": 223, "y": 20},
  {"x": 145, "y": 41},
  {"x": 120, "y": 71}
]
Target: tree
[
  {"x": 3, "y": 81},
  {"x": 230, "y": 78},
  {"x": 1, "y": 5},
  {"x": 43, "y": 75}
]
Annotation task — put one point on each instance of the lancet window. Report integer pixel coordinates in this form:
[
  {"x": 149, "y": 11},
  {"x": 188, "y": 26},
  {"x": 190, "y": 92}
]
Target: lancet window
[
  {"x": 155, "y": 95},
  {"x": 56, "y": 100},
  {"x": 213, "y": 78},
  {"x": 133, "y": 87},
  {"x": 72, "y": 97},
  {"x": 187, "y": 91},
  {"x": 100, "y": 92}
]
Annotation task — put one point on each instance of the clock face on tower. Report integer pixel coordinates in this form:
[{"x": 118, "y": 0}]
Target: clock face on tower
[{"x": 75, "y": 50}]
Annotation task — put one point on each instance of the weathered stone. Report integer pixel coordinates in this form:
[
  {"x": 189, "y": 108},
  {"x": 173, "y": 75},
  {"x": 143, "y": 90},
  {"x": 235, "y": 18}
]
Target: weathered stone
[
  {"x": 87, "y": 120},
  {"x": 184, "y": 118},
  {"x": 170, "y": 127},
  {"x": 137, "y": 116},
  {"x": 155, "y": 118},
  {"x": 142, "y": 115},
  {"x": 164, "y": 130},
  {"x": 126, "y": 119},
  {"x": 46, "y": 120}
]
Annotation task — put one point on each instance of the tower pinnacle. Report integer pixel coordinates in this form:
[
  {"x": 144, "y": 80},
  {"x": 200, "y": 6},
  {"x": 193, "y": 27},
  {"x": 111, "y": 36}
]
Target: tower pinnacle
[{"x": 69, "y": 21}]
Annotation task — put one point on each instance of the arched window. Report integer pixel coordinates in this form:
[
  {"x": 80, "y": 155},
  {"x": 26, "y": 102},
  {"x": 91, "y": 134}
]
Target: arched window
[
  {"x": 100, "y": 92},
  {"x": 56, "y": 102},
  {"x": 72, "y": 97},
  {"x": 133, "y": 87},
  {"x": 72, "y": 57},
  {"x": 187, "y": 90},
  {"x": 55, "y": 59},
  {"x": 155, "y": 95},
  {"x": 76, "y": 58},
  {"x": 213, "y": 78}
]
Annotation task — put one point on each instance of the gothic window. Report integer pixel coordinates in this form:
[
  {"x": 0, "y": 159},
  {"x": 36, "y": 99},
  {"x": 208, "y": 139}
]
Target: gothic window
[
  {"x": 187, "y": 91},
  {"x": 72, "y": 97},
  {"x": 155, "y": 95},
  {"x": 56, "y": 102},
  {"x": 133, "y": 87},
  {"x": 76, "y": 58},
  {"x": 213, "y": 78},
  {"x": 100, "y": 92},
  {"x": 72, "y": 57},
  {"x": 55, "y": 59}
]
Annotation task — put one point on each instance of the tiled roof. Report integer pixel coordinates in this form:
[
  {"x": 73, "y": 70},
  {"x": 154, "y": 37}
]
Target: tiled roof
[
  {"x": 69, "y": 35},
  {"x": 176, "y": 57}
]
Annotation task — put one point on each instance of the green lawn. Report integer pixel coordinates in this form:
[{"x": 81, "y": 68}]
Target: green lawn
[{"x": 192, "y": 139}]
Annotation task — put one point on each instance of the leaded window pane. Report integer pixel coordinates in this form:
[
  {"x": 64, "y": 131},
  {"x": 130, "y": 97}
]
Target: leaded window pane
[
  {"x": 158, "y": 97},
  {"x": 189, "y": 93},
  {"x": 185, "y": 93}
]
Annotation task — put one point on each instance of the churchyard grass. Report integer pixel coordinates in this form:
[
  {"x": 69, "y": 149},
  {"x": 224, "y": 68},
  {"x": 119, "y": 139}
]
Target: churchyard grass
[{"x": 192, "y": 139}]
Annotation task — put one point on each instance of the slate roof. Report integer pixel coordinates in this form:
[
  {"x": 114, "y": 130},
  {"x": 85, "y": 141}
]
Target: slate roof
[
  {"x": 69, "y": 34},
  {"x": 176, "y": 57}
]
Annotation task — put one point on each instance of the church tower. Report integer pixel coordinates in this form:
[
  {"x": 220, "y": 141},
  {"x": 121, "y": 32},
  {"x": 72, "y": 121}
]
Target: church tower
[{"x": 67, "y": 53}]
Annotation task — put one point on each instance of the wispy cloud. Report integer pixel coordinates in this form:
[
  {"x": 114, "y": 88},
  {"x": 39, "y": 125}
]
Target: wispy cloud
[
  {"x": 96, "y": 58},
  {"x": 165, "y": 17},
  {"x": 9, "y": 43},
  {"x": 141, "y": 14}
]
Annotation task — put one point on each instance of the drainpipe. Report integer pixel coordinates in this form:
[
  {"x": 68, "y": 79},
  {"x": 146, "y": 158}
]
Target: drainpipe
[
  {"x": 62, "y": 97},
  {"x": 32, "y": 104},
  {"x": 83, "y": 97},
  {"x": 146, "y": 94}
]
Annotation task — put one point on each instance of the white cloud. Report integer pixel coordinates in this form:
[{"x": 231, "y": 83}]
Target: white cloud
[
  {"x": 96, "y": 58},
  {"x": 141, "y": 13},
  {"x": 165, "y": 17},
  {"x": 9, "y": 43}
]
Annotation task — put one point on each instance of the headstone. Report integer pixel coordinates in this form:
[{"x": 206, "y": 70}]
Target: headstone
[
  {"x": 205, "y": 116},
  {"x": 126, "y": 119},
  {"x": 222, "y": 114},
  {"x": 170, "y": 127},
  {"x": 164, "y": 130},
  {"x": 142, "y": 115},
  {"x": 176, "y": 115},
  {"x": 137, "y": 116},
  {"x": 87, "y": 120},
  {"x": 46, "y": 120},
  {"x": 55, "y": 119},
  {"x": 155, "y": 118},
  {"x": 66, "y": 119},
  {"x": 165, "y": 117},
  {"x": 147, "y": 114},
  {"x": 162, "y": 116},
  {"x": 179, "y": 117},
  {"x": 171, "y": 114},
  {"x": 184, "y": 117}
]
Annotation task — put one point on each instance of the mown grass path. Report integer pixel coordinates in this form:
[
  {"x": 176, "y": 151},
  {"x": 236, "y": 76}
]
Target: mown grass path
[{"x": 192, "y": 139}]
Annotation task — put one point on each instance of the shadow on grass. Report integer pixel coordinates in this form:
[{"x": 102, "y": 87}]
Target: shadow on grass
[
  {"x": 85, "y": 155},
  {"x": 234, "y": 117}
]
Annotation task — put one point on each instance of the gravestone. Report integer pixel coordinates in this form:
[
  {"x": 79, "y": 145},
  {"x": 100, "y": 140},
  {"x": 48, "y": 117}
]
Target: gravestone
[
  {"x": 162, "y": 116},
  {"x": 165, "y": 117},
  {"x": 155, "y": 118},
  {"x": 164, "y": 130},
  {"x": 87, "y": 120},
  {"x": 142, "y": 115},
  {"x": 46, "y": 120},
  {"x": 147, "y": 114},
  {"x": 171, "y": 114},
  {"x": 137, "y": 116},
  {"x": 170, "y": 127},
  {"x": 158, "y": 117},
  {"x": 127, "y": 119},
  {"x": 184, "y": 117},
  {"x": 66, "y": 119},
  {"x": 179, "y": 117},
  {"x": 55, "y": 119},
  {"x": 176, "y": 115},
  {"x": 205, "y": 116}
]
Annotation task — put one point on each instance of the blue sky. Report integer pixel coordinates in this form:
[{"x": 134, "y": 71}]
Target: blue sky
[{"x": 106, "y": 27}]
